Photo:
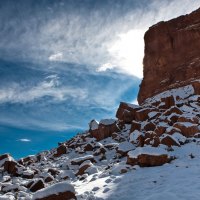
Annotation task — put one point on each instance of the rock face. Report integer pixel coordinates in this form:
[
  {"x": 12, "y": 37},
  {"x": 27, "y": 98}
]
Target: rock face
[
  {"x": 147, "y": 157},
  {"x": 172, "y": 55}
]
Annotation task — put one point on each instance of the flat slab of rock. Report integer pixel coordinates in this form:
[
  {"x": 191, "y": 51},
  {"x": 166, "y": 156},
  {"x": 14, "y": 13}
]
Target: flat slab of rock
[
  {"x": 147, "y": 157},
  {"x": 59, "y": 191},
  {"x": 80, "y": 160}
]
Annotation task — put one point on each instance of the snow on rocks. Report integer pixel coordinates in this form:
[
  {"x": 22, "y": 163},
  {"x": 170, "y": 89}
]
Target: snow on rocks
[
  {"x": 188, "y": 129},
  {"x": 80, "y": 160},
  {"x": 147, "y": 157},
  {"x": 4, "y": 158},
  {"x": 105, "y": 128},
  {"x": 126, "y": 112},
  {"x": 94, "y": 161},
  {"x": 58, "y": 191},
  {"x": 125, "y": 147},
  {"x": 137, "y": 137},
  {"x": 93, "y": 125},
  {"x": 83, "y": 167},
  {"x": 169, "y": 140},
  {"x": 37, "y": 185}
]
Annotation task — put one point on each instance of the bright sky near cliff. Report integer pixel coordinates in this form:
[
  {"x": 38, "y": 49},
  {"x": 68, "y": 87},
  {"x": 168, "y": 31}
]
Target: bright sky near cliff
[{"x": 65, "y": 62}]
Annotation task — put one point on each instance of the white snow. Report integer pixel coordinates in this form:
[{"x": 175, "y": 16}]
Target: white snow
[
  {"x": 4, "y": 160},
  {"x": 182, "y": 92},
  {"x": 133, "y": 106},
  {"x": 134, "y": 136},
  {"x": 107, "y": 121},
  {"x": 152, "y": 114},
  {"x": 126, "y": 146},
  {"x": 54, "y": 189},
  {"x": 87, "y": 157},
  {"x": 147, "y": 150},
  {"x": 179, "y": 137},
  {"x": 94, "y": 125}
]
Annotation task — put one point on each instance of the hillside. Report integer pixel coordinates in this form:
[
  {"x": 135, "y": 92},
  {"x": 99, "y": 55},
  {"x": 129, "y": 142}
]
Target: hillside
[{"x": 150, "y": 151}]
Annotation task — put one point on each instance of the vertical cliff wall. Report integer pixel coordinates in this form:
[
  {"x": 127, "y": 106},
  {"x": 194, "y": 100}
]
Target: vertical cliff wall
[{"x": 172, "y": 55}]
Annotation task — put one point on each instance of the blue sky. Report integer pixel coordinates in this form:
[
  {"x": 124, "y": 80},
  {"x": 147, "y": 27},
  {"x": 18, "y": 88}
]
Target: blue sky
[{"x": 65, "y": 62}]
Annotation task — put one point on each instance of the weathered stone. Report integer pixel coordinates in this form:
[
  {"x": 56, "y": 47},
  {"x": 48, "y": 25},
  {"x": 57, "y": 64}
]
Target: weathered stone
[
  {"x": 88, "y": 147},
  {"x": 135, "y": 126},
  {"x": 58, "y": 191},
  {"x": 137, "y": 138},
  {"x": 12, "y": 167},
  {"x": 159, "y": 130},
  {"x": 171, "y": 55},
  {"x": 53, "y": 172},
  {"x": 146, "y": 158},
  {"x": 62, "y": 149},
  {"x": 169, "y": 141},
  {"x": 193, "y": 120},
  {"x": 126, "y": 112},
  {"x": 80, "y": 160},
  {"x": 187, "y": 129},
  {"x": 150, "y": 126},
  {"x": 84, "y": 166},
  {"x": 167, "y": 102},
  {"x": 37, "y": 185},
  {"x": 142, "y": 114},
  {"x": 105, "y": 129},
  {"x": 173, "y": 110}
]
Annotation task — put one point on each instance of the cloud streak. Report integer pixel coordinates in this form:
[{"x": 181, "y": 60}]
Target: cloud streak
[
  {"x": 24, "y": 140},
  {"x": 88, "y": 33},
  {"x": 50, "y": 87}
]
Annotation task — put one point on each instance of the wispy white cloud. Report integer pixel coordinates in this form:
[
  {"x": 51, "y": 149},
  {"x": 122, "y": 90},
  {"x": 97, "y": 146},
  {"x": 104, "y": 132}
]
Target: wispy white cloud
[
  {"x": 56, "y": 57},
  {"x": 50, "y": 87},
  {"x": 93, "y": 37},
  {"x": 24, "y": 140}
]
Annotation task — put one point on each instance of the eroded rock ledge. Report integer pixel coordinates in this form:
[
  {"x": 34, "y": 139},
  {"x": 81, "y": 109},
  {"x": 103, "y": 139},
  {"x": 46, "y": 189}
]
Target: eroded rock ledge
[{"x": 172, "y": 55}]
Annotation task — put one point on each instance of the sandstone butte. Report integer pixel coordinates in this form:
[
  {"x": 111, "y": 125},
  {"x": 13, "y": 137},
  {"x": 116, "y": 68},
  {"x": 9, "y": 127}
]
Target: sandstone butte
[{"x": 172, "y": 55}]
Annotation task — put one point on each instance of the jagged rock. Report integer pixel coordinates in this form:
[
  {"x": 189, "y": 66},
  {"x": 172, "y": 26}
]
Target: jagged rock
[
  {"x": 100, "y": 151},
  {"x": 147, "y": 157},
  {"x": 37, "y": 185},
  {"x": 196, "y": 85},
  {"x": 62, "y": 149},
  {"x": 143, "y": 114},
  {"x": 167, "y": 102},
  {"x": 171, "y": 55},
  {"x": 151, "y": 138},
  {"x": 150, "y": 126},
  {"x": 4, "y": 158},
  {"x": 173, "y": 118},
  {"x": 135, "y": 126},
  {"x": 104, "y": 129},
  {"x": 53, "y": 172},
  {"x": 83, "y": 167},
  {"x": 124, "y": 148},
  {"x": 126, "y": 112},
  {"x": 187, "y": 129},
  {"x": 27, "y": 160},
  {"x": 160, "y": 130},
  {"x": 48, "y": 179},
  {"x": 193, "y": 120},
  {"x": 88, "y": 147},
  {"x": 173, "y": 110},
  {"x": 137, "y": 138},
  {"x": 169, "y": 141},
  {"x": 12, "y": 167},
  {"x": 80, "y": 160},
  {"x": 29, "y": 174}
]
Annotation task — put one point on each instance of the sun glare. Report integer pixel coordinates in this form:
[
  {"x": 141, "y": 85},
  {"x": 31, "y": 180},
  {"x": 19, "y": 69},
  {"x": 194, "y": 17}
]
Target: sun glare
[{"x": 128, "y": 52}]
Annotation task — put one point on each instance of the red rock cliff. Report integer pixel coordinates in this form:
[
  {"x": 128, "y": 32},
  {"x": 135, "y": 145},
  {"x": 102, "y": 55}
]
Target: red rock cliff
[{"x": 172, "y": 55}]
